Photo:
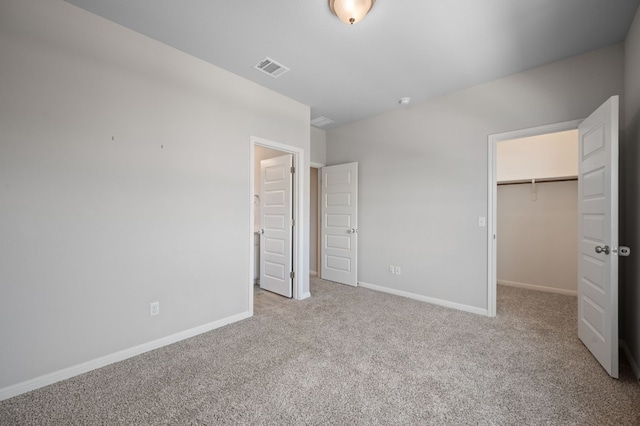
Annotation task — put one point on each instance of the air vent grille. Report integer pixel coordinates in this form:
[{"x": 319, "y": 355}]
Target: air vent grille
[
  {"x": 271, "y": 67},
  {"x": 321, "y": 121}
]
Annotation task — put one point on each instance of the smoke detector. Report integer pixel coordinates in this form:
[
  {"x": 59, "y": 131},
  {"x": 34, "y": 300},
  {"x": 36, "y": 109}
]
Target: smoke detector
[{"x": 404, "y": 101}]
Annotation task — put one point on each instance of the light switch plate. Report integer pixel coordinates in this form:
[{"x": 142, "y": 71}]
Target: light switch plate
[{"x": 482, "y": 221}]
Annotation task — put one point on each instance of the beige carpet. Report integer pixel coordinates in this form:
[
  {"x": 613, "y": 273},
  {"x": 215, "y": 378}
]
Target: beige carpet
[{"x": 355, "y": 356}]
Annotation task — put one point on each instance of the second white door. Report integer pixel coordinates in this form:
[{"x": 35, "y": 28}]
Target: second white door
[
  {"x": 339, "y": 224},
  {"x": 598, "y": 235},
  {"x": 276, "y": 207}
]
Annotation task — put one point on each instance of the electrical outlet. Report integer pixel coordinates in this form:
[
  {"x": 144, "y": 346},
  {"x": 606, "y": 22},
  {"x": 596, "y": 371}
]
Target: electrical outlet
[
  {"x": 392, "y": 269},
  {"x": 154, "y": 309},
  {"x": 398, "y": 270}
]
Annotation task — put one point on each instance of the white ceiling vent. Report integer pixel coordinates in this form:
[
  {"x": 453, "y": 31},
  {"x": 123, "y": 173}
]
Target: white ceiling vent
[
  {"x": 321, "y": 121},
  {"x": 271, "y": 67}
]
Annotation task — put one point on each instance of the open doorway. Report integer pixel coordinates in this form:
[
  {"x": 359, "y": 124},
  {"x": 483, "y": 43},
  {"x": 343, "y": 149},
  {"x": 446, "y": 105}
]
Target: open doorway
[
  {"x": 597, "y": 228},
  {"x": 531, "y": 192},
  {"x": 537, "y": 212},
  {"x": 298, "y": 253}
]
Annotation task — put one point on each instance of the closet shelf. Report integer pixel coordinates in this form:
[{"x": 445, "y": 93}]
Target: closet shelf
[{"x": 537, "y": 180}]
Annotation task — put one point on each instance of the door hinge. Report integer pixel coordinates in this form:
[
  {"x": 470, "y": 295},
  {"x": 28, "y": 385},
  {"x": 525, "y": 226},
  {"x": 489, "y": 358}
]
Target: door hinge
[
  {"x": 293, "y": 169},
  {"x": 292, "y": 275},
  {"x": 293, "y": 223}
]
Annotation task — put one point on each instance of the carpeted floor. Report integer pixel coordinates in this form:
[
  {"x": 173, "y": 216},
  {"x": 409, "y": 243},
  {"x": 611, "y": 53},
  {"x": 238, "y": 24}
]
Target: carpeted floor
[{"x": 355, "y": 356}]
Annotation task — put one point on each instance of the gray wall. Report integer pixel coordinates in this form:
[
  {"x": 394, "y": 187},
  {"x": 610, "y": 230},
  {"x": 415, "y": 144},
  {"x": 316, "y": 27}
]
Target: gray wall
[
  {"x": 124, "y": 179},
  {"x": 537, "y": 239},
  {"x": 318, "y": 157},
  {"x": 318, "y": 145},
  {"x": 423, "y": 171},
  {"x": 630, "y": 179}
]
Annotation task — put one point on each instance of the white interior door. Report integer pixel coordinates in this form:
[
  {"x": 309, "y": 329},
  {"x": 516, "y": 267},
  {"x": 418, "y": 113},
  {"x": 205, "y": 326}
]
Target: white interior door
[
  {"x": 598, "y": 235},
  {"x": 276, "y": 211},
  {"x": 339, "y": 224}
]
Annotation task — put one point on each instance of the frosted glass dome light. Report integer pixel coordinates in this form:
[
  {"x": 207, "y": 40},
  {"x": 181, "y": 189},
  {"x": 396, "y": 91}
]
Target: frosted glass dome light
[{"x": 351, "y": 11}]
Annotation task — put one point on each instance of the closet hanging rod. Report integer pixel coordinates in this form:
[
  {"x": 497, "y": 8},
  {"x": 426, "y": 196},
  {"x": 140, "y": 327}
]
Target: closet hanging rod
[{"x": 541, "y": 180}]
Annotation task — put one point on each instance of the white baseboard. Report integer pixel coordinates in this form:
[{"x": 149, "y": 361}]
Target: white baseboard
[
  {"x": 632, "y": 362},
  {"x": 313, "y": 273},
  {"x": 85, "y": 367},
  {"x": 538, "y": 288},
  {"x": 305, "y": 295},
  {"x": 432, "y": 300}
]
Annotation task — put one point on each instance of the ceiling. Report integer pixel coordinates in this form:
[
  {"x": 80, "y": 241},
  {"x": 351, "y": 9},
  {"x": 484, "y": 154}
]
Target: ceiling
[{"x": 404, "y": 48}]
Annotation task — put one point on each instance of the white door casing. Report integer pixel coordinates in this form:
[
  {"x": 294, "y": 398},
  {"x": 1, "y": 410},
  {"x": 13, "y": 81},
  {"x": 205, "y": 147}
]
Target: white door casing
[
  {"x": 598, "y": 230},
  {"x": 339, "y": 224},
  {"x": 276, "y": 225}
]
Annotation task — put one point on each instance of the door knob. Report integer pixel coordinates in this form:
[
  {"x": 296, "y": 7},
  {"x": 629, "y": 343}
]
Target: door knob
[
  {"x": 604, "y": 249},
  {"x": 353, "y": 231}
]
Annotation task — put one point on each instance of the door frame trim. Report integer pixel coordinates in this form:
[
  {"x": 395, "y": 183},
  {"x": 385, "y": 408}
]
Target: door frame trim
[
  {"x": 492, "y": 195},
  {"x": 298, "y": 209}
]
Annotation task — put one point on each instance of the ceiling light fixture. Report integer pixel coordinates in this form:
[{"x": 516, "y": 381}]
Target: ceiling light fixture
[{"x": 351, "y": 11}]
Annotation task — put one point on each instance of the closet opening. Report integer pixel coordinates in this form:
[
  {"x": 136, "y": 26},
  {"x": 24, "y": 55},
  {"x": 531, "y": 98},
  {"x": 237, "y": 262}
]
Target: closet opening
[
  {"x": 533, "y": 211},
  {"x": 537, "y": 212}
]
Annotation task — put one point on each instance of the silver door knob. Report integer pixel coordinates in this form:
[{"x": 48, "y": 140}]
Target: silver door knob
[
  {"x": 353, "y": 231},
  {"x": 604, "y": 249},
  {"x": 261, "y": 231}
]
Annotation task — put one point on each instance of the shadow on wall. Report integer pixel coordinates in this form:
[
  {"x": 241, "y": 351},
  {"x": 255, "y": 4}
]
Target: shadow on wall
[{"x": 630, "y": 235}]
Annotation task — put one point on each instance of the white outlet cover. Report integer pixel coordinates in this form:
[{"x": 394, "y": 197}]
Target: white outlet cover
[
  {"x": 398, "y": 270},
  {"x": 154, "y": 308}
]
